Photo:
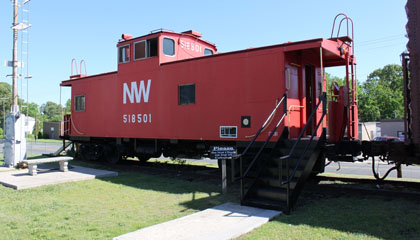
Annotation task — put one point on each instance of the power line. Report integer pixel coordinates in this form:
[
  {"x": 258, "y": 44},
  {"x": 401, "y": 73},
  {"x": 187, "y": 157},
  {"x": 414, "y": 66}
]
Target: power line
[
  {"x": 382, "y": 38},
  {"x": 381, "y": 41},
  {"x": 386, "y": 46}
]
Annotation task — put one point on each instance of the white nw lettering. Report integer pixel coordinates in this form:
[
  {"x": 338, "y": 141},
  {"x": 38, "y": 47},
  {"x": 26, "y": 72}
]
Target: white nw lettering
[{"x": 136, "y": 93}]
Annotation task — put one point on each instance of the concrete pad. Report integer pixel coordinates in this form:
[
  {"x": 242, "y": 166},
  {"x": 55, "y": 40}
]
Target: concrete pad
[
  {"x": 225, "y": 221},
  {"x": 21, "y": 179},
  {"x": 5, "y": 169}
]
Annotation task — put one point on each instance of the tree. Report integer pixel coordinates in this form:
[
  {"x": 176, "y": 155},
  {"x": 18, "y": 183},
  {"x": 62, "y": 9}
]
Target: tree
[
  {"x": 381, "y": 94},
  {"x": 33, "y": 110},
  {"x": 51, "y": 111},
  {"x": 67, "y": 108},
  {"x": 330, "y": 79},
  {"x": 6, "y": 95}
]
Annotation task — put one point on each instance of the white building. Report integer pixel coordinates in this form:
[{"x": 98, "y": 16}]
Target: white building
[
  {"x": 369, "y": 130},
  {"x": 29, "y": 125}
]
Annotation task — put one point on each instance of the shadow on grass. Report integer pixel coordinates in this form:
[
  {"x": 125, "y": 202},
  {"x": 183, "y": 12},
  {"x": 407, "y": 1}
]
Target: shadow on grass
[
  {"x": 172, "y": 179},
  {"x": 384, "y": 218}
]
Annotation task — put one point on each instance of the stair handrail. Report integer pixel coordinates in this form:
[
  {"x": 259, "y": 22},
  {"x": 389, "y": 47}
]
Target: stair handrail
[
  {"x": 323, "y": 100},
  {"x": 263, "y": 126},
  {"x": 254, "y": 160}
]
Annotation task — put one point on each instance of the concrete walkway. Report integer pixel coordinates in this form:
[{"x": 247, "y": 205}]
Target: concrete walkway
[
  {"x": 20, "y": 179},
  {"x": 225, "y": 221},
  {"x": 6, "y": 169}
]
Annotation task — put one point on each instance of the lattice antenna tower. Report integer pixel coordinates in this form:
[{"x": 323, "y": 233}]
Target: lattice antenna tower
[{"x": 24, "y": 75}]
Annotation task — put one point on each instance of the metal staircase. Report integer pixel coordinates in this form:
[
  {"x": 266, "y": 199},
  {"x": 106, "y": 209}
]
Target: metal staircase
[{"x": 275, "y": 177}]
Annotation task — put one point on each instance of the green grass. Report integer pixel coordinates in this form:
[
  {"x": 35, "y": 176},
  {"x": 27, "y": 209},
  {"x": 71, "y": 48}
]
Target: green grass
[
  {"x": 184, "y": 162},
  {"x": 102, "y": 209},
  {"x": 44, "y": 140},
  {"x": 367, "y": 177},
  {"x": 109, "y": 207},
  {"x": 345, "y": 218}
]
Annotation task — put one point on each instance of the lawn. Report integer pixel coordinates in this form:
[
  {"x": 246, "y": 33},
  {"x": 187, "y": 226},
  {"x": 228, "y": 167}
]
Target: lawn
[
  {"x": 102, "y": 209},
  {"x": 44, "y": 140},
  {"x": 340, "y": 175},
  {"x": 109, "y": 207},
  {"x": 345, "y": 217}
]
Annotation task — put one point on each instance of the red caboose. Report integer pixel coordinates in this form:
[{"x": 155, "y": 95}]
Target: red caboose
[
  {"x": 174, "y": 94},
  {"x": 176, "y": 87}
]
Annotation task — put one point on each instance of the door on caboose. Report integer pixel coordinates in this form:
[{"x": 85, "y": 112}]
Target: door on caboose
[
  {"x": 310, "y": 96},
  {"x": 294, "y": 106}
]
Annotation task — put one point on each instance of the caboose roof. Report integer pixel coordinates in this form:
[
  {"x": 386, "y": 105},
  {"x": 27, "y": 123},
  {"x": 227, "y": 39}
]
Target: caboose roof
[
  {"x": 331, "y": 53},
  {"x": 67, "y": 83},
  {"x": 162, "y": 31}
]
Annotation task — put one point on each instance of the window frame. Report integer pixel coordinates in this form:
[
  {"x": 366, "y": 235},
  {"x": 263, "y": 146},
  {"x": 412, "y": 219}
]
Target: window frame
[
  {"x": 229, "y": 135},
  {"x": 84, "y": 103},
  {"x": 145, "y": 50},
  {"x": 129, "y": 53},
  {"x": 163, "y": 50},
  {"x": 212, "y": 52},
  {"x": 179, "y": 94}
]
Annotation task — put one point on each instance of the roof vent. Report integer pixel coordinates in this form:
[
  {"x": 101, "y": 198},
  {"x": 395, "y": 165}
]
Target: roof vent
[
  {"x": 126, "y": 36},
  {"x": 194, "y": 33}
]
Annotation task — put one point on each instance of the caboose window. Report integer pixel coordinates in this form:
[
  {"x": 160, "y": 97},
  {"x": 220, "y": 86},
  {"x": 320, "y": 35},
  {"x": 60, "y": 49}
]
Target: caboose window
[
  {"x": 79, "y": 103},
  {"x": 152, "y": 47},
  {"x": 208, "y": 52},
  {"x": 146, "y": 48},
  {"x": 186, "y": 94},
  {"x": 124, "y": 54},
  {"x": 168, "y": 46},
  {"x": 139, "y": 50}
]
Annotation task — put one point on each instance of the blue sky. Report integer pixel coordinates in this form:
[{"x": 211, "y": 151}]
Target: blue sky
[{"x": 89, "y": 30}]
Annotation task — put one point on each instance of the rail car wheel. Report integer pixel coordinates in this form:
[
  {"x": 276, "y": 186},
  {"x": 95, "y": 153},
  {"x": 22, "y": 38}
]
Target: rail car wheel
[
  {"x": 112, "y": 154},
  {"x": 143, "y": 157},
  {"x": 90, "y": 152},
  {"x": 83, "y": 152}
]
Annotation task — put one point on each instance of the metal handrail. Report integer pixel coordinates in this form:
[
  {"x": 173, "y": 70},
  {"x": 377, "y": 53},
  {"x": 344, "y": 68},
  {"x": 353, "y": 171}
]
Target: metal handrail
[
  {"x": 344, "y": 17},
  {"x": 254, "y": 160},
  {"x": 263, "y": 126},
  {"x": 323, "y": 99}
]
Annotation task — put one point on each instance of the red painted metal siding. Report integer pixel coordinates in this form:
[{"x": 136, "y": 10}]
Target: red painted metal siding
[{"x": 227, "y": 86}]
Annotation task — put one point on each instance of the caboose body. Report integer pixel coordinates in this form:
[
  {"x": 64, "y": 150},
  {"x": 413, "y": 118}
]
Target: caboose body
[{"x": 175, "y": 94}]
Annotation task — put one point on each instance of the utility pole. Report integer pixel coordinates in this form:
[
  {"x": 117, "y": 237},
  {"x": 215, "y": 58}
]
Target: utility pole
[
  {"x": 15, "y": 141},
  {"x": 15, "y": 55}
]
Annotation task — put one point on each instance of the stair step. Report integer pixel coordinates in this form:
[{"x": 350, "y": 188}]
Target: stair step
[
  {"x": 271, "y": 193},
  {"x": 266, "y": 190},
  {"x": 292, "y": 162},
  {"x": 296, "y": 154},
  {"x": 274, "y": 171},
  {"x": 300, "y": 147},
  {"x": 265, "y": 203},
  {"x": 274, "y": 182}
]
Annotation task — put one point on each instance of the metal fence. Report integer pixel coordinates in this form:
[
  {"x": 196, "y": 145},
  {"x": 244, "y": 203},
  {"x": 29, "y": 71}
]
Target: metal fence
[{"x": 37, "y": 148}]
